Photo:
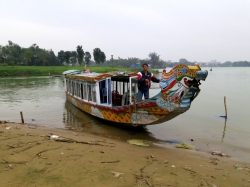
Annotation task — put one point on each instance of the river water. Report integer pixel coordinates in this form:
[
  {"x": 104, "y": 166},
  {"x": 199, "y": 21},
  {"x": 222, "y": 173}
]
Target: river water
[{"x": 42, "y": 101}]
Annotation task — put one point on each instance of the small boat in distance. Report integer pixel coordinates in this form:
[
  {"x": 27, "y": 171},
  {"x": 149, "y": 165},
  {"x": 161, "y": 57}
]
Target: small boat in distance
[
  {"x": 113, "y": 96},
  {"x": 211, "y": 69}
]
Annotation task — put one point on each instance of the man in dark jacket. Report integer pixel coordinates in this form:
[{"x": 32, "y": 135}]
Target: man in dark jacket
[{"x": 144, "y": 81}]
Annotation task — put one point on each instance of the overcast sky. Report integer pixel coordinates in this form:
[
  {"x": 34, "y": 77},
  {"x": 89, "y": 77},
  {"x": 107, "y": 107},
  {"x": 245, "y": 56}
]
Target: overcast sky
[{"x": 198, "y": 30}]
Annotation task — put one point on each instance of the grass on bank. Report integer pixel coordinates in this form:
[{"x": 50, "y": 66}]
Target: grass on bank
[{"x": 9, "y": 71}]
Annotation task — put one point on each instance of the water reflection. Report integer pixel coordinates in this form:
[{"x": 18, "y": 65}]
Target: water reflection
[{"x": 78, "y": 120}]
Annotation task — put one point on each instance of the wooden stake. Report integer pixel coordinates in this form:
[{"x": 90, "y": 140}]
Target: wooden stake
[
  {"x": 21, "y": 113},
  {"x": 225, "y": 107}
]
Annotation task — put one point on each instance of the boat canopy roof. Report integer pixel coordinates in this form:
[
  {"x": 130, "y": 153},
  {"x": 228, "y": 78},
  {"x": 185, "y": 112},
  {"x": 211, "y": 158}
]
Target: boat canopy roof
[{"x": 95, "y": 77}]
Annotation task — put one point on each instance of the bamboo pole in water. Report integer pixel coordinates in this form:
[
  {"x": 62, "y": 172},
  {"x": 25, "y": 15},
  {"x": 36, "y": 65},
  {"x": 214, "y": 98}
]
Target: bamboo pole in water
[
  {"x": 225, "y": 107},
  {"x": 21, "y": 113}
]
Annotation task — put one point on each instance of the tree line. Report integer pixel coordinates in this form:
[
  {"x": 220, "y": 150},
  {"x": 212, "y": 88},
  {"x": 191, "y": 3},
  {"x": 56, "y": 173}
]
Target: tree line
[
  {"x": 133, "y": 62},
  {"x": 13, "y": 54}
]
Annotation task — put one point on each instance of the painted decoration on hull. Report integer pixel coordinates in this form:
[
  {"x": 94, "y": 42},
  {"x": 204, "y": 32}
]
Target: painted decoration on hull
[
  {"x": 96, "y": 112},
  {"x": 179, "y": 87},
  {"x": 142, "y": 118},
  {"x": 170, "y": 106},
  {"x": 145, "y": 113}
]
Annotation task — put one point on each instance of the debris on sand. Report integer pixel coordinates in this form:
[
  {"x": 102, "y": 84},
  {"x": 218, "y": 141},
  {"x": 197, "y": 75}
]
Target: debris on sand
[
  {"x": 220, "y": 153},
  {"x": 184, "y": 146},
  {"x": 54, "y": 137},
  {"x": 138, "y": 142},
  {"x": 117, "y": 174},
  {"x": 173, "y": 141}
]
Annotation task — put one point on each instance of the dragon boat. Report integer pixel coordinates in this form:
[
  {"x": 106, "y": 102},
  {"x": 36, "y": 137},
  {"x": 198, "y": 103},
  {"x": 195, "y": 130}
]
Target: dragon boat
[{"x": 113, "y": 96}]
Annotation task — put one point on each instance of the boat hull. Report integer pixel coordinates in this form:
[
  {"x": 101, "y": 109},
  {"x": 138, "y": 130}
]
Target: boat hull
[{"x": 141, "y": 114}]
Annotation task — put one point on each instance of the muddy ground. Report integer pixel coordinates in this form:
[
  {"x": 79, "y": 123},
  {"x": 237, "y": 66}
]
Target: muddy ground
[{"x": 28, "y": 157}]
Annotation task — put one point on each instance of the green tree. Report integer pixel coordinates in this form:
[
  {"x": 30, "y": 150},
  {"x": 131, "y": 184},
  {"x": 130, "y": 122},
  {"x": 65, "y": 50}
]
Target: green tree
[
  {"x": 153, "y": 58},
  {"x": 73, "y": 57},
  {"x": 53, "y": 60},
  {"x": 27, "y": 56},
  {"x": 13, "y": 54},
  {"x": 60, "y": 56},
  {"x": 44, "y": 57},
  {"x": 87, "y": 58},
  {"x": 80, "y": 54},
  {"x": 16, "y": 53},
  {"x": 5, "y": 53},
  {"x": 97, "y": 55},
  {"x": 10, "y": 43},
  {"x": 34, "y": 48},
  {"x": 102, "y": 57},
  {"x": 67, "y": 55}
]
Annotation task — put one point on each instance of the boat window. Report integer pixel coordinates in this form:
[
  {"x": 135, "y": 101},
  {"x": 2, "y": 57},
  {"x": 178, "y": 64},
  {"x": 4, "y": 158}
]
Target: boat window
[
  {"x": 70, "y": 87},
  {"x": 134, "y": 89},
  {"x": 77, "y": 89},
  {"x": 82, "y": 90},
  {"x": 67, "y": 85},
  {"x": 73, "y": 88},
  {"x": 85, "y": 91},
  {"x": 109, "y": 90},
  {"x": 89, "y": 92},
  {"x": 93, "y": 92},
  {"x": 120, "y": 90},
  {"x": 105, "y": 91}
]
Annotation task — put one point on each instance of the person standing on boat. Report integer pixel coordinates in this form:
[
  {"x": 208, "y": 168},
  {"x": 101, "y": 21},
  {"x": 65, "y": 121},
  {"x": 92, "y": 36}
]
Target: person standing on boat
[{"x": 144, "y": 81}]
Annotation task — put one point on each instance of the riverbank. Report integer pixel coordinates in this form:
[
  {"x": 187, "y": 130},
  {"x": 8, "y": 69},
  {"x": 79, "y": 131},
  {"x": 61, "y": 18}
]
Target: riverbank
[
  {"x": 19, "y": 71},
  {"x": 31, "y": 157}
]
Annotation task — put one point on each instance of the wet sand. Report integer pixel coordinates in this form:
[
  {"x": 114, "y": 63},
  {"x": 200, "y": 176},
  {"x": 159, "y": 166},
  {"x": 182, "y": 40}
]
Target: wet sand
[{"x": 28, "y": 157}]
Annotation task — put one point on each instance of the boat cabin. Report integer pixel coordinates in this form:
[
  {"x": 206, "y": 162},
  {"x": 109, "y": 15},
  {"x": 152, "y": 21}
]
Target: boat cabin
[{"x": 103, "y": 89}]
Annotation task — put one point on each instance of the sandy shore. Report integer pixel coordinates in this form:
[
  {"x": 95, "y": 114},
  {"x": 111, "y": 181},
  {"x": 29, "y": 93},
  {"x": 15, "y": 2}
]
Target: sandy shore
[{"x": 28, "y": 157}]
